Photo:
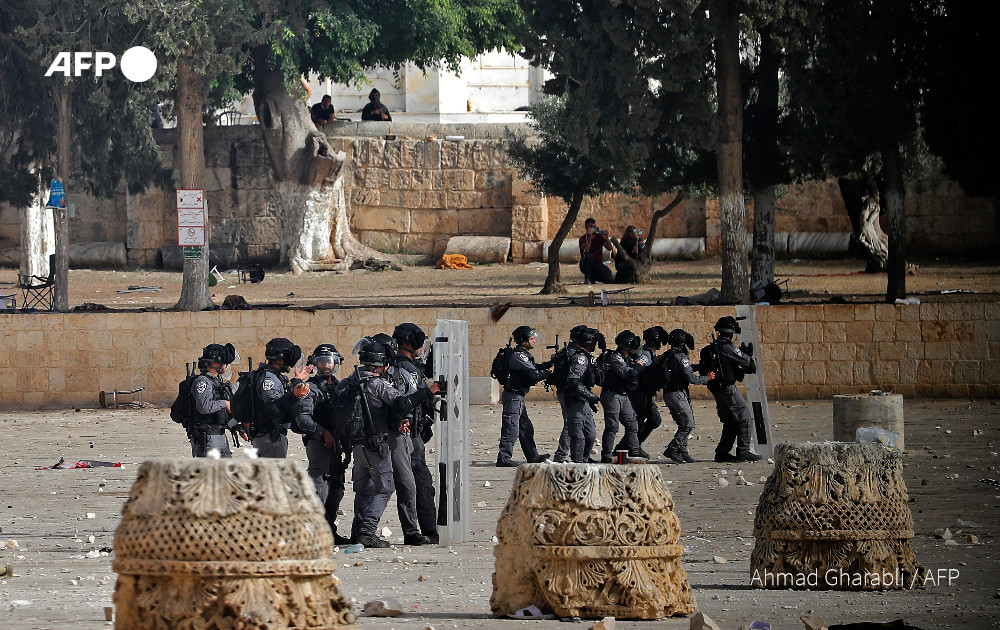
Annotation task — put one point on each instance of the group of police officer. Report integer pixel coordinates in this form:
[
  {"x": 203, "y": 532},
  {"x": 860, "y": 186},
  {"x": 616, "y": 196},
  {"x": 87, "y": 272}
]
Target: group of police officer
[
  {"x": 388, "y": 457},
  {"x": 630, "y": 376}
]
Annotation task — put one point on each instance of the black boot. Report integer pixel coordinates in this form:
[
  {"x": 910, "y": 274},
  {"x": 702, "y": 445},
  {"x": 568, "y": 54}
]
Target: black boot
[
  {"x": 673, "y": 455},
  {"x": 687, "y": 457}
]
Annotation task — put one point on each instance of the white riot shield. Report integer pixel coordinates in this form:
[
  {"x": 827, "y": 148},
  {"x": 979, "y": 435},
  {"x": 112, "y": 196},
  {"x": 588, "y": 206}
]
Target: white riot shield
[
  {"x": 756, "y": 392},
  {"x": 451, "y": 366}
]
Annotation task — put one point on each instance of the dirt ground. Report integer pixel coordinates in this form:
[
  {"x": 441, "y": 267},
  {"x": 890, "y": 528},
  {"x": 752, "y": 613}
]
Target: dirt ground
[
  {"x": 807, "y": 281},
  {"x": 54, "y": 585}
]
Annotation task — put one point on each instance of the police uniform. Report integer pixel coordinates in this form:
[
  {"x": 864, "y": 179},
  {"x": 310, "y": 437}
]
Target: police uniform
[
  {"x": 732, "y": 408},
  {"x": 209, "y": 417},
  {"x": 579, "y": 431},
  {"x": 678, "y": 399},
  {"x": 401, "y": 449},
  {"x": 522, "y": 374},
  {"x": 276, "y": 409},
  {"x": 327, "y": 466},
  {"x": 373, "y": 464},
  {"x": 619, "y": 379},
  {"x": 647, "y": 414},
  {"x": 422, "y": 478}
]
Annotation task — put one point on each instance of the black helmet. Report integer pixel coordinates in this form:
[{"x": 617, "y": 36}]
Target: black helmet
[
  {"x": 326, "y": 358},
  {"x": 655, "y": 336},
  {"x": 678, "y": 338},
  {"x": 627, "y": 339},
  {"x": 371, "y": 353},
  {"x": 281, "y": 349},
  {"x": 522, "y": 334},
  {"x": 582, "y": 335},
  {"x": 728, "y": 324},
  {"x": 410, "y": 335},
  {"x": 387, "y": 342},
  {"x": 217, "y": 353}
]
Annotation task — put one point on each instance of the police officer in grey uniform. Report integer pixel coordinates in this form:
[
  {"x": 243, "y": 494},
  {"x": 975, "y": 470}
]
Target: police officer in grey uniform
[
  {"x": 410, "y": 339},
  {"x": 210, "y": 396},
  {"x": 522, "y": 374},
  {"x": 277, "y": 400},
  {"x": 676, "y": 395},
  {"x": 401, "y": 446},
  {"x": 328, "y": 460},
  {"x": 644, "y": 397},
  {"x": 620, "y": 378},
  {"x": 733, "y": 363},
  {"x": 577, "y": 401},
  {"x": 373, "y": 464}
]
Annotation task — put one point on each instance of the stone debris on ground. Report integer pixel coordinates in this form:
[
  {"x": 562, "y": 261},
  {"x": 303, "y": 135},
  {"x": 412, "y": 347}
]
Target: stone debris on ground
[
  {"x": 811, "y": 622},
  {"x": 719, "y": 559},
  {"x": 9, "y": 544},
  {"x": 701, "y": 621},
  {"x": 386, "y": 532},
  {"x": 723, "y": 482},
  {"x": 608, "y": 623},
  {"x": 383, "y": 607}
]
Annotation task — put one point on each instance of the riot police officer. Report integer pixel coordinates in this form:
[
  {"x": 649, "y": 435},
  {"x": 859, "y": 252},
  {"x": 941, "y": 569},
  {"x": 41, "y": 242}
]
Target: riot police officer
[
  {"x": 210, "y": 396},
  {"x": 620, "y": 378},
  {"x": 522, "y": 374},
  {"x": 576, "y": 400},
  {"x": 676, "y": 395},
  {"x": 373, "y": 463},
  {"x": 643, "y": 397},
  {"x": 328, "y": 459},
  {"x": 277, "y": 400},
  {"x": 730, "y": 364}
]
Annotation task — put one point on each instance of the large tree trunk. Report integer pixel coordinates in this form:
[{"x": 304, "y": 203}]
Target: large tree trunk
[
  {"x": 861, "y": 200},
  {"x": 195, "y": 295},
  {"x": 762, "y": 265},
  {"x": 895, "y": 222},
  {"x": 313, "y": 212},
  {"x": 729, "y": 157},
  {"x": 60, "y": 221},
  {"x": 552, "y": 283},
  {"x": 643, "y": 263}
]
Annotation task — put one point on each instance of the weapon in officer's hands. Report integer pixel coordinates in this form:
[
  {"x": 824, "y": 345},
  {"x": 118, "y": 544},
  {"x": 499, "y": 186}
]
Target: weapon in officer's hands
[
  {"x": 188, "y": 373},
  {"x": 554, "y": 346},
  {"x": 375, "y": 443}
]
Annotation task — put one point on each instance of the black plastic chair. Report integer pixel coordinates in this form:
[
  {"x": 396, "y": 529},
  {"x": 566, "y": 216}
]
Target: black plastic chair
[{"x": 36, "y": 291}]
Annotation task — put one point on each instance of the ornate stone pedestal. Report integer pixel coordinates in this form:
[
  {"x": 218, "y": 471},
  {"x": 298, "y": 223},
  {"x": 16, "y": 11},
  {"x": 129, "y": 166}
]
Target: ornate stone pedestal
[
  {"x": 834, "y": 516},
  {"x": 232, "y": 543},
  {"x": 590, "y": 541}
]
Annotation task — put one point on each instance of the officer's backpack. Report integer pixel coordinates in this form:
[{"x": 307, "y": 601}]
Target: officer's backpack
[
  {"x": 500, "y": 369},
  {"x": 348, "y": 414},
  {"x": 597, "y": 371},
  {"x": 180, "y": 409},
  {"x": 654, "y": 377},
  {"x": 560, "y": 370},
  {"x": 242, "y": 403}
]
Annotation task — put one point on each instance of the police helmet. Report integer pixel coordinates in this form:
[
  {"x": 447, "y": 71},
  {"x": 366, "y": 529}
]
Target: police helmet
[
  {"x": 410, "y": 335},
  {"x": 728, "y": 324},
  {"x": 582, "y": 335},
  {"x": 326, "y": 358},
  {"x": 281, "y": 349},
  {"x": 678, "y": 338},
  {"x": 627, "y": 339},
  {"x": 522, "y": 334},
  {"x": 217, "y": 353},
  {"x": 655, "y": 336},
  {"x": 371, "y": 353},
  {"x": 391, "y": 345}
]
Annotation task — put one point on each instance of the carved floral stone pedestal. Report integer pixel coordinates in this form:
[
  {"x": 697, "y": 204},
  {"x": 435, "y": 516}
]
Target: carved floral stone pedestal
[
  {"x": 232, "y": 543},
  {"x": 590, "y": 541},
  {"x": 834, "y": 516}
]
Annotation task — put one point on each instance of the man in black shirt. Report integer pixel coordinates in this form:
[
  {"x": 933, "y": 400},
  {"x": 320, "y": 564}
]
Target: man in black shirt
[
  {"x": 322, "y": 112},
  {"x": 375, "y": 110}
]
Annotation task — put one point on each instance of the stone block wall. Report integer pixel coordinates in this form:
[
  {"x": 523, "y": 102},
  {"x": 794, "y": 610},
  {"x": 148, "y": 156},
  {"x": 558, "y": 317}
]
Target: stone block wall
[{"x": 51, "y": 360}]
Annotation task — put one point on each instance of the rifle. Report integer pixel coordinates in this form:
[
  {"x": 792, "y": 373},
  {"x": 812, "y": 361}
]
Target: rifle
[
  {"x": 375, "y": 443},
  {"x": 188, "y": 373}
]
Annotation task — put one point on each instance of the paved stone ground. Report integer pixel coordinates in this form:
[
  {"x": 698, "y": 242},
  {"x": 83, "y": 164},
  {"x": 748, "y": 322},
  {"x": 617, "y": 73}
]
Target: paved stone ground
[{"x": 54, "y": 585}]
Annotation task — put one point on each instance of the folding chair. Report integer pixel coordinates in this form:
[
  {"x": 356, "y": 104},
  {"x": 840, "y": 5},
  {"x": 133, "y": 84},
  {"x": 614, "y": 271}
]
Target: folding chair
[{"x": 36, "y": 291}]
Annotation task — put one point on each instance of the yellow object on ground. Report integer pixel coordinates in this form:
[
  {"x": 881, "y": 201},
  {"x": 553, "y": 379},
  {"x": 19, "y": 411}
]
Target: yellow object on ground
[{"x": 453, "y": 261}]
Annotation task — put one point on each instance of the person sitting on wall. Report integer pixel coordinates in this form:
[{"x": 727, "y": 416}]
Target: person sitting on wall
[
  {"x": 630, "y": 244},
  {"x": 592, "y": 246},
  {"x": 375, "y": 110},
  {"x": 322, "y": 112}
]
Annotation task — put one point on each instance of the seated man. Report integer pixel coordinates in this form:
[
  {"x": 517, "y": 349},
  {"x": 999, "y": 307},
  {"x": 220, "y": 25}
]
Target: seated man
[
  {"x": 592, "y": 246},
  {"x": 322, "y": 112},
  {"x": 375, "y": 110}
]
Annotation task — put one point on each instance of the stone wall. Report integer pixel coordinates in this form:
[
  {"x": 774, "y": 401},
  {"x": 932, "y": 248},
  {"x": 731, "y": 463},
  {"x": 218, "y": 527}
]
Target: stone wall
[
  {"x": 929, "y": 350},
  {"x": 412, "y": 193}
]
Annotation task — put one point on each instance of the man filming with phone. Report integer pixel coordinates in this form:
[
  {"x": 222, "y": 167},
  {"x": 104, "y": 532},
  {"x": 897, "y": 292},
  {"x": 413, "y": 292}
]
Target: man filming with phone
[{"x": 592, "y": 246}]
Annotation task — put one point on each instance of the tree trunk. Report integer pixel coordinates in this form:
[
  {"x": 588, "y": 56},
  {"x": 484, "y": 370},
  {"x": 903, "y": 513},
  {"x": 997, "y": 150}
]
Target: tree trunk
[
  {"x": 60, "y": 222},
  {"x": 729, "y": 157},
  {"x": 313, "y": 211},
  {"x": 642, "y": 264},
  {"x": 861, "y": 199},
  {"x": 195, "y": 295},
  {"x": 895, "y": 222},
  {"x": 762, "y": 266},
  {"x": 552, "y": 283}
]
